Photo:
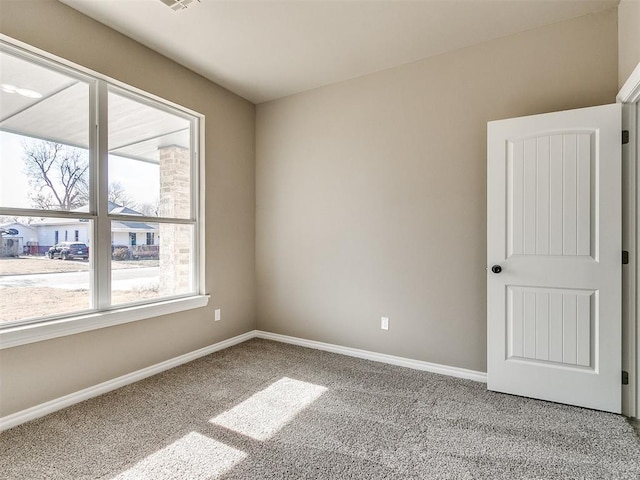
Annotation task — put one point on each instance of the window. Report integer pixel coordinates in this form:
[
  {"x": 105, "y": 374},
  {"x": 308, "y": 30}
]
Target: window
[{"x": 136, "y": 174}]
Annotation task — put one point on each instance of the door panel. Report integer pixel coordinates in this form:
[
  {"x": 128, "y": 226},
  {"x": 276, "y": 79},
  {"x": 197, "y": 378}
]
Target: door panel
[
  {"x": 554, "y": 226},
  {"x": 549, "y": 194},
  {"x": 550, "y": 325}
]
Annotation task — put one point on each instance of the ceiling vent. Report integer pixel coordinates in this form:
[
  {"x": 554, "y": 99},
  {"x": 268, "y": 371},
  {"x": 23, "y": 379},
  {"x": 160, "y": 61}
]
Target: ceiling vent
[{"x": 179, "y": 5}]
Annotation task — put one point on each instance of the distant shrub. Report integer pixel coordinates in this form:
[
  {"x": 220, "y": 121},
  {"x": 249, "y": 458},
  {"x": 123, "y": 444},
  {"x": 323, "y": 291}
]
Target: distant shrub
[{"x": 120, "y": 253}]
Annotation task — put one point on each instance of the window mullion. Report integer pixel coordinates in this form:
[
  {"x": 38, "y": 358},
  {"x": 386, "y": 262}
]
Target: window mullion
[
  {"x": 197, "y": 202},
  {"x": 102, "y": 250}
]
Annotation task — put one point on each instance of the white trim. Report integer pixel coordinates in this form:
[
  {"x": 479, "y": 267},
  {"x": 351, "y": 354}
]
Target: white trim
[
  {"x": 629, "y": 271},
  {"x": 378, "y": 357},
  {"x": 51, "y": 406},
  {"x": 101, "y": 258},
  {"x": 630, "y": 94},
  {"x": 37, "y": 332},
  {"x": 636, "y": 146},
  {"x": 46, "y": 408},
  {"x": 199, "y": 152},
  {"x": 630, "y": 91}
]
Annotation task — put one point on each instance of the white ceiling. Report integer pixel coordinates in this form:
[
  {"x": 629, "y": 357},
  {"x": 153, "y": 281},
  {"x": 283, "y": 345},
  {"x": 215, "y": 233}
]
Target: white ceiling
[{"x": 264, "y": 49}]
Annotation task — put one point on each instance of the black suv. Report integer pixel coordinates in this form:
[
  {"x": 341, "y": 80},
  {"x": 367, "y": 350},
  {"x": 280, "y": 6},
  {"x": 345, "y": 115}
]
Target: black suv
[{"x": 69, "y": 251}]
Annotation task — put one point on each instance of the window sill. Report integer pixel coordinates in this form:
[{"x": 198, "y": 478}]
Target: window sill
[{"x": 24, "y": 334}]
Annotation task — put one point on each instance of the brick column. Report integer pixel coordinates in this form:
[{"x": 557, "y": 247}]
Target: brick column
[{"x": 175, "y": 240}]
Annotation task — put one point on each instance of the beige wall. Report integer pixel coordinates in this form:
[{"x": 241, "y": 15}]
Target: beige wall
[
  {"x": 628, "y": 38},
  {"x": 35, "y": 373},
  {"x": 371, "y": 193}
]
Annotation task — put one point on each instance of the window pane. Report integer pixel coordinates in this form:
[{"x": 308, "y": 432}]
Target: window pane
[
  {"x": 39, "y": 278},
  {"x": 44, "y": 136},
  {"x": 149, "y": 159},
  {"x": 150, "y": 260},
  {"x": 45, "y": 132}
]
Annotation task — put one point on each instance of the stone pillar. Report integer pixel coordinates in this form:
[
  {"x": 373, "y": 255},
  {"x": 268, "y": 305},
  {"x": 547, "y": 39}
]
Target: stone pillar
[{"x": 175, "y": 200}]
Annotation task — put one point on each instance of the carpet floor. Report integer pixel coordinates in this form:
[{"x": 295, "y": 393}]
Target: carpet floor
[{"x": 267, "y": 410}]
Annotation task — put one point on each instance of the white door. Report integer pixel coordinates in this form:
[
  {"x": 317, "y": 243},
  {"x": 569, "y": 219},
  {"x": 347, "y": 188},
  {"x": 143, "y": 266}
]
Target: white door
[{"x": 554, "y": 257}]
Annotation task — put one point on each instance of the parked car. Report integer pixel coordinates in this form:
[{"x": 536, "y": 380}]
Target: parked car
[{"x": 69, "y": 251}]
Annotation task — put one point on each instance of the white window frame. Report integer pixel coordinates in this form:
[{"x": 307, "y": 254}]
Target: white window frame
[{"x": 102, "y": 313}]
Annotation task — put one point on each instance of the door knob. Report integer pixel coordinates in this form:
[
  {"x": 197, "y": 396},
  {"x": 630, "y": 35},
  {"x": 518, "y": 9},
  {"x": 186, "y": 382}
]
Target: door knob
[{"x": 496, "y": 269}]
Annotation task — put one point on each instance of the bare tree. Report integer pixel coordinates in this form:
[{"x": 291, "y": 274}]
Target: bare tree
[
  {"x": 58, "y": 175},
  {"x": 8, "y": 219},
  {"x": 149, "y": 209},
  {"x": 16, "y": 219},
  {"x": 118, "y": 194}
]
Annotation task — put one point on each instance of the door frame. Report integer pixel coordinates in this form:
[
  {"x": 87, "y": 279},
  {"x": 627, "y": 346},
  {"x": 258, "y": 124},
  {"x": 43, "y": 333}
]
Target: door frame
[{"x": 629, "y": 96}]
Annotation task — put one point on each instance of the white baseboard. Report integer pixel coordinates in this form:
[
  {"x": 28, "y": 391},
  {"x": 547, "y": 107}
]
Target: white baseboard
[
  {"x": 378, "y": 357},
  {"x": 51, "y": 406}
]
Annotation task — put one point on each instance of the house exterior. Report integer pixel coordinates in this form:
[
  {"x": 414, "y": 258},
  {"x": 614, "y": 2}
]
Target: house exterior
[
  {"x": 131, "y": 233},
  {"x": 37, "y": 237},
  {"x": 51, "y": 231},
  {"x": 19, "y": 243}
]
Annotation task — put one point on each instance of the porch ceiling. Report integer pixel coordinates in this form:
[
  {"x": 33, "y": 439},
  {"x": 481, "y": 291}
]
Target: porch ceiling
[{"x": 38, "y": 102}]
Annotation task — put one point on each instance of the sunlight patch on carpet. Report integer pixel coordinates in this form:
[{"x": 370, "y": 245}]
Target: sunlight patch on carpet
[
  {"x": 263, "y": 414},
  {"x": 193, "y": 456}
]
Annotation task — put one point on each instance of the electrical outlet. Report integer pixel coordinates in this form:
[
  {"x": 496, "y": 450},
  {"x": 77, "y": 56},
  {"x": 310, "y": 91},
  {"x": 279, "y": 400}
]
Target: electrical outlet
[
  {"x": 218, "y": 315},
  {"x": 384, "y": 323}
]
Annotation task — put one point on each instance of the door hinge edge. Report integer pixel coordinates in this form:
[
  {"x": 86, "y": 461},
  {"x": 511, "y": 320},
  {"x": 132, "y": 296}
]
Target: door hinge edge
[
  {"x": 625, "y": 137},
  {"x": 625, "y": 377}
]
